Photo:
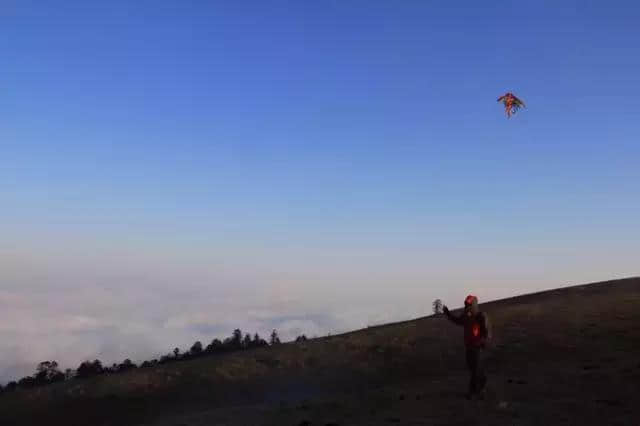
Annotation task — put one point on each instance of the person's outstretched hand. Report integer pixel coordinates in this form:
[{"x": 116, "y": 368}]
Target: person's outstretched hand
[{"x": 445, "y": 310}]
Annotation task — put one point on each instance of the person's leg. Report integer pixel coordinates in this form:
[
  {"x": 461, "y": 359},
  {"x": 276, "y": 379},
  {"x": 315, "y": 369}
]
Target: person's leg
[
  {"x": 481, "y": 377},
  {"x": 472, "y": 364}
]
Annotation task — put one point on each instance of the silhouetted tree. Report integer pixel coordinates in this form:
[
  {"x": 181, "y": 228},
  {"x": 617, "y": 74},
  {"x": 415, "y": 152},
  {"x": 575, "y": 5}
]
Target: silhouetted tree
[
  {"x": 275, "y": 340},
  {"x": 258, "y": 342},
  {"x": 127, "y": 365},
  {"x": 236, "y": 339},
  {"x": 88, "y": 369},
  {"x": 214, "y": 346},
  {"x": 246, "y": 342},
  {"x": 84, "y": 370},
  {"x": 437, "y": 306},
  {"x": 47, "y": 372},
  {"x": 27, "y": 382},
  {"x": 69, "y": 374},
  {"x": 196, "y": 349},
  {"x": 227, "y": 345},
  {"x": 234, "y": 342},
  {"x": 149, "y": 363}
]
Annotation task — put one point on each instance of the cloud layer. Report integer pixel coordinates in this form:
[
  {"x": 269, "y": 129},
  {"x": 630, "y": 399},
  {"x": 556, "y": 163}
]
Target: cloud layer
[{"x": 102, "y": 301}]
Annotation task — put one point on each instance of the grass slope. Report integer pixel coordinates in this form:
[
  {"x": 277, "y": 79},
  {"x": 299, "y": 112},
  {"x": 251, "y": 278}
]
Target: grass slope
[{"x": 567, "y": 356}]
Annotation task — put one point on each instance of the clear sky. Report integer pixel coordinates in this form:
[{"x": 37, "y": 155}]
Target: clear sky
[{"x": 172, "y": 170}]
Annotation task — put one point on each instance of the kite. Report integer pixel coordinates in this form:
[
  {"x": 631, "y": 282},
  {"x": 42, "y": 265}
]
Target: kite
[{"x": 511, "y": 103}]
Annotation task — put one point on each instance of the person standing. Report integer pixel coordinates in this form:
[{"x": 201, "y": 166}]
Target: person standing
[{"x": 477, "y": 332}]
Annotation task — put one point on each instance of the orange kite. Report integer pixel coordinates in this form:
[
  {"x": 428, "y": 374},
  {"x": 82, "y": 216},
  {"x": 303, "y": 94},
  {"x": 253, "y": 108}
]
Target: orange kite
[{"x": 511, "y": 103}]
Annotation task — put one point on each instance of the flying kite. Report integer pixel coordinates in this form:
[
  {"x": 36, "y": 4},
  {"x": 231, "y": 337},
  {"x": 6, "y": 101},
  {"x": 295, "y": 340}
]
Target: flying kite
[{"x": 511, "y": 103}]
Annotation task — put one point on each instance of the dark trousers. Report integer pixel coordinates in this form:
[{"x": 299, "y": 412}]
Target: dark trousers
[{"x": 474, "y": 362}]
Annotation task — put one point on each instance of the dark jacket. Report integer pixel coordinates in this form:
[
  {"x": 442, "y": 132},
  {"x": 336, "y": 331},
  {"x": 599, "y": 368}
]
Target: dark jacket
[{"x": 477, "y": 329}]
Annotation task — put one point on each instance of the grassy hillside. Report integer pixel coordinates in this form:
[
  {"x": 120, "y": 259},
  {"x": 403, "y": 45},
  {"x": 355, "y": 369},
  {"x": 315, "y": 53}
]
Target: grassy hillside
[{"x": 567, "y": 356}]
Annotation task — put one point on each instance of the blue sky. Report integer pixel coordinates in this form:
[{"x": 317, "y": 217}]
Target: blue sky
[{"x": 309, "y": 153}]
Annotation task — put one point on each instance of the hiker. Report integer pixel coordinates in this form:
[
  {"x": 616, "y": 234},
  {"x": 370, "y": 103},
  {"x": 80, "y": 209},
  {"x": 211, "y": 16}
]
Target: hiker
[{"x": 477, "y": 332}]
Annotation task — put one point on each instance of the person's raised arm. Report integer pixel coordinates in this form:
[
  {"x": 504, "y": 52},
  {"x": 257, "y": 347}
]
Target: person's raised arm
[{"x": 456, "y": 319}]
